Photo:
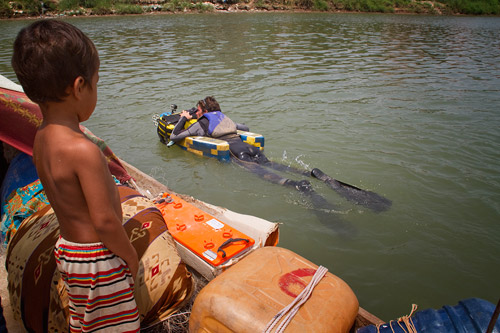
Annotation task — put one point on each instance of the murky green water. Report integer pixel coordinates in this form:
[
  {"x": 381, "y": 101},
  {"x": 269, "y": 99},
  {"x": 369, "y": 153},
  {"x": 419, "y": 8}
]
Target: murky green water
[{"x": 406, "y": 106}]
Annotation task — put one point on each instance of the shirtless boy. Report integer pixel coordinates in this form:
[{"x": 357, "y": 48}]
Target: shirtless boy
[{"x": 58, "y": 65}]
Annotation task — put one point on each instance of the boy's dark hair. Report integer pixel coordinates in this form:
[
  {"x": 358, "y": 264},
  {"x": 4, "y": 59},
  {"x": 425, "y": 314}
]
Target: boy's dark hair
[
  {"x": 209, "y": 104},
  {"x": 49, "y": 55}
]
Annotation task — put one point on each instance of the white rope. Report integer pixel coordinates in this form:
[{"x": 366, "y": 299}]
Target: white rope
[{"x": 293, "y": 307}]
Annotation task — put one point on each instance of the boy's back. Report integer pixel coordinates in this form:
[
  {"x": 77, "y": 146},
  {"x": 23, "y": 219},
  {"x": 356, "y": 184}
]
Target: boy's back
[
  {"x": 66, "y": 160},
  {"x": 57, "y": 66}
]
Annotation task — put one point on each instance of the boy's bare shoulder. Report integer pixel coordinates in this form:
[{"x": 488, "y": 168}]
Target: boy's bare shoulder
[
  {"x": 82, "y": 146},
  {"x": 70, "y": 145},
  {"x": 85, "y": 153},
  {"x": 68, "y": 151}
]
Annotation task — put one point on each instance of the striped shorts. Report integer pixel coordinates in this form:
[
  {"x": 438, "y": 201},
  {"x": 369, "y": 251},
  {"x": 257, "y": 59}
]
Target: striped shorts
[{"x": 100, "y": 288}]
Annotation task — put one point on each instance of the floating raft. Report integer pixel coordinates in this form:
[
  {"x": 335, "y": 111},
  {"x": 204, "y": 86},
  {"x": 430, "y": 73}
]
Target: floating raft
[{"x": 201, "y": 145}]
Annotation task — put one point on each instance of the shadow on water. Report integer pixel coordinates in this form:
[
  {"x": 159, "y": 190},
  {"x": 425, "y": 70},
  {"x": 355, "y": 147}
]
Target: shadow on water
[{"x": 325, "y": 212}]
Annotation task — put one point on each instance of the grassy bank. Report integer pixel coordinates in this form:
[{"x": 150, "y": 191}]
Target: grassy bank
[{"x": 30, "y": 8}]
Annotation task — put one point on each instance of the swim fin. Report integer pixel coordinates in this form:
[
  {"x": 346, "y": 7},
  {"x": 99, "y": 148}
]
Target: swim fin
[{"x": 352, "y": 193}]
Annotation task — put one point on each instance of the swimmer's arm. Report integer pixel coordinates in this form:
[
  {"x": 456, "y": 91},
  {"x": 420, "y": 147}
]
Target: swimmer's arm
[
  {"x": 103, "y": 204},
  {"x": 179, "y": 133}
]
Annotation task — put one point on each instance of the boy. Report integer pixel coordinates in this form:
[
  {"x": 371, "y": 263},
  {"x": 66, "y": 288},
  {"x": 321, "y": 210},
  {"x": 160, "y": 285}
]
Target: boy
[{"x": 58, "y": 65}]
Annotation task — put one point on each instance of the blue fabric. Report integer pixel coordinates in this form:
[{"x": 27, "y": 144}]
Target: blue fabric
[
  {"x": 471, "y": 315},
  {"x": 22, "y": 203},
  {"x": 21, "y": 194},
  {"x": 21, "y": 172},
  {"x": 214, "y": 119}
]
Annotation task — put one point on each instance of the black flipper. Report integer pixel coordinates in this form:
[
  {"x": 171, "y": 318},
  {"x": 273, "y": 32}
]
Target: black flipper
[
  {"x": 352, "y": 193},
  {"x": 361, "y": 197}
]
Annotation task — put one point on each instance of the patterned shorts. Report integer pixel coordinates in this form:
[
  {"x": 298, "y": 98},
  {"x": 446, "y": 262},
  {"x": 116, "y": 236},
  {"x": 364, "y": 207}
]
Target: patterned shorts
[{"x": 100, "y": 288}]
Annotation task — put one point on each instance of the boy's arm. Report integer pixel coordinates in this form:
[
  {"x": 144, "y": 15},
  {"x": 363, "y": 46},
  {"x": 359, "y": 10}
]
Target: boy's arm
[{"x": 104, "y": 205}]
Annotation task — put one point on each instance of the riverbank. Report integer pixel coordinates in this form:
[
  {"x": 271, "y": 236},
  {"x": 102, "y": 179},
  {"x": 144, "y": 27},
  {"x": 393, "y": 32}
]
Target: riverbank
[{"x": 58, "y": 8}]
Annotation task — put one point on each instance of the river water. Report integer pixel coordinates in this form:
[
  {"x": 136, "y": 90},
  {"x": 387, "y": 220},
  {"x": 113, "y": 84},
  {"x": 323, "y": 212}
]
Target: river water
[{"x": 405, "y": 106}]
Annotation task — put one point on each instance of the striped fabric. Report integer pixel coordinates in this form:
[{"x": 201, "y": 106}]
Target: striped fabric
[{"x": 100, "y": 288}]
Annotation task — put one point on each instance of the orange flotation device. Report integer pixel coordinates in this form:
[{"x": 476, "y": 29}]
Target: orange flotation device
[{"x": 209, "y": 238}]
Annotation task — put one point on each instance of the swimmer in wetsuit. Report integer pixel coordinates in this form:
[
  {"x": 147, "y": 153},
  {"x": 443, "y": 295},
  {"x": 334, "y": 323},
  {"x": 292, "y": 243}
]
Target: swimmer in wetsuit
[{"x": 213, "y": 123}]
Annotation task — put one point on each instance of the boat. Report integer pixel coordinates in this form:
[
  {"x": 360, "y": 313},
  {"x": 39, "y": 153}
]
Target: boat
[{"x": 200, "y": 145}]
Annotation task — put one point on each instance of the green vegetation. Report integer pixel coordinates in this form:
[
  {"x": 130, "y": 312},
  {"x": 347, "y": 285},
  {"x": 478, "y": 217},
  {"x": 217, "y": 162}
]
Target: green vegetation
[
  {"x": 474, "y": 7},
  {"x": 23, "y": 8},
  {"x": 123, "y": 9},
  {"x": 5, "y": 9}
]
